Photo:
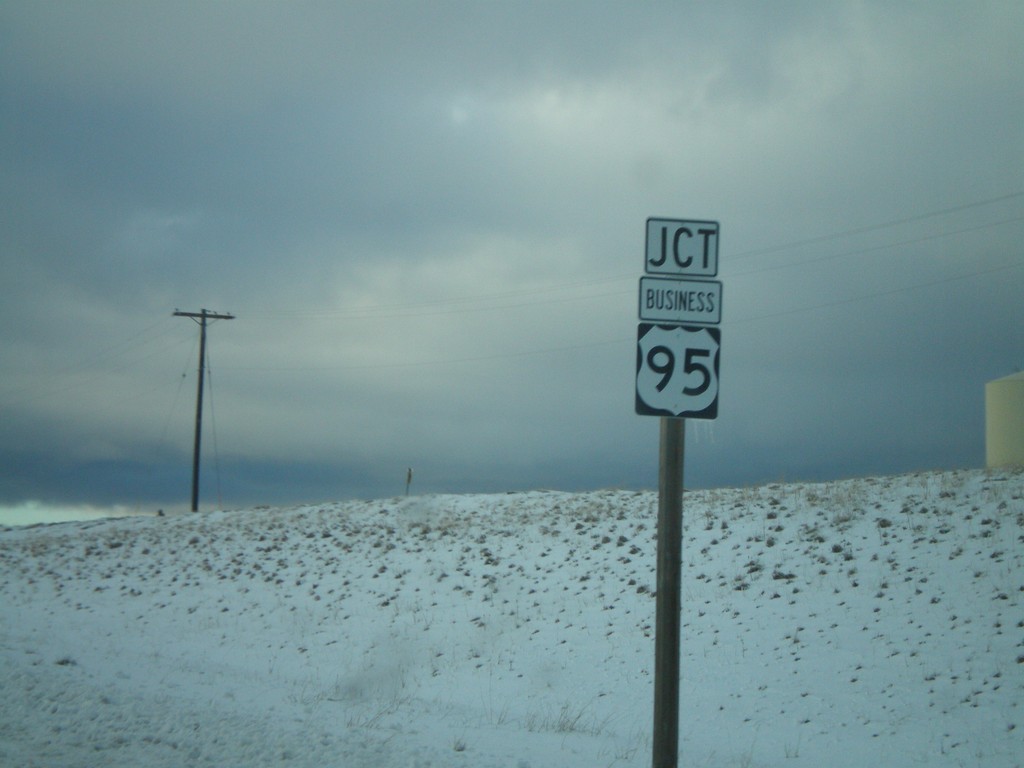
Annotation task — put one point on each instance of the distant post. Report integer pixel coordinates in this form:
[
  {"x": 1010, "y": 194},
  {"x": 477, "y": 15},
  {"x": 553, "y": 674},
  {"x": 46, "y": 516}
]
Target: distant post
[
  {"x": 408, "y": 480},
  {"x": 201, "y": 317}
]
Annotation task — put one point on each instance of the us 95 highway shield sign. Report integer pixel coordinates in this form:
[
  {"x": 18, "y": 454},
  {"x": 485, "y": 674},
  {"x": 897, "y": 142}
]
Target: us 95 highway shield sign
[{"x": 677, "y": 371}]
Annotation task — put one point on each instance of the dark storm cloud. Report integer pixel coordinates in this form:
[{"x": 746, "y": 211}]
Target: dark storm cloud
[{"x": 429, "y": 220}]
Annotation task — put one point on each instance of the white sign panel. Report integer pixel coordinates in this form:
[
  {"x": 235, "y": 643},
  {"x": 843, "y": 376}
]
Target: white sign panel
[
  {"x": 680, "y": 247},
  {"x": 677, "y": 371},
  {"x": 670, "y": 300}
]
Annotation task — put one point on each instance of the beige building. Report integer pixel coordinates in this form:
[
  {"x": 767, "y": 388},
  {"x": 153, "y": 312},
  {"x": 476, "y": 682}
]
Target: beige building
[{"x": 1004, "y": 421}]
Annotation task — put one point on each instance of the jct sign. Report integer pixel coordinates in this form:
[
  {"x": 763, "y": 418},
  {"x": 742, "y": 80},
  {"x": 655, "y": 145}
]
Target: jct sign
[{"x": 680, "y": 247}]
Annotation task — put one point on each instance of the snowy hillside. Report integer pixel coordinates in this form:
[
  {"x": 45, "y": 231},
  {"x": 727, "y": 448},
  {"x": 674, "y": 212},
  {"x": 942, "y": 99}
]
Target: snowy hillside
[{"x": 869, "y": 622}]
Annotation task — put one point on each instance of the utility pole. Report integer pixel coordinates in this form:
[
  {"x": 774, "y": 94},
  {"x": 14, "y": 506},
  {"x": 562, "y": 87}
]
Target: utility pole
[{"x": 200, "y": 317}]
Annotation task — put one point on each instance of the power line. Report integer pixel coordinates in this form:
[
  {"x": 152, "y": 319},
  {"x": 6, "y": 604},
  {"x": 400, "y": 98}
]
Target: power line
[
  {"x": 447, "y": 306},
  {"x": 624, "y": 340},
  {"x": 875, "y": 295},
  {"x": 376, "y": 310},
  {"x": 380, "y": 311},
  {"x": 57, "y": 380},
  {"x": 859, "y": 251},
  {"x": 174, "y": 402},
  {"x": 70, "y": 378},
  {"x": 872, "y": 227}
]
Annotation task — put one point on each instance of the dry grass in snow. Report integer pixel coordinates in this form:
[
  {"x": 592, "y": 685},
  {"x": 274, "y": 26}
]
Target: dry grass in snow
[{"x": 876, "y": 621}]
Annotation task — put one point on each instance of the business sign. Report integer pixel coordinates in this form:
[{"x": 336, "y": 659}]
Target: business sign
[
  {"x": 682, "y": 248},
  {"x": 671, "y": 300},
  {"x": 677, "y": 371}
]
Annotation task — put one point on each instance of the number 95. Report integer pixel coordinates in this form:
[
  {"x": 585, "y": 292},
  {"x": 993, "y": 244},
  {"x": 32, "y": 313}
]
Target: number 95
[{"x": 677, "y": 371}]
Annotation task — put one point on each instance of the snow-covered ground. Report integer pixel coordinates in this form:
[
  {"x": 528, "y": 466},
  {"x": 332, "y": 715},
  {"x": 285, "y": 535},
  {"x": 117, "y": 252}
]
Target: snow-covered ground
[{"x": 868, "y": 622}]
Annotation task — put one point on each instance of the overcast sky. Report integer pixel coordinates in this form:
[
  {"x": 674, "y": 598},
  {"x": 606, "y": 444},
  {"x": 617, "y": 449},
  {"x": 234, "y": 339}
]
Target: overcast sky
[{"x": 428, "y": 219}]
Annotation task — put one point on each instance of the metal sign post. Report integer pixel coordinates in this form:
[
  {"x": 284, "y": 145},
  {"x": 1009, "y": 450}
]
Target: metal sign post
[
  {"x": 677, "y": 354},
  {"x": 666, "y": 626}
]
